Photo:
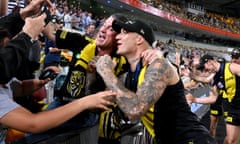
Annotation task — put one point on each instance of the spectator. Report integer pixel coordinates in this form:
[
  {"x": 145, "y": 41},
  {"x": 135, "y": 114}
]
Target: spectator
[
  {"x": 75, "y": 21},
  {"x": 17, "y": 46},
  {"x": 67, "y": 18},
  {"x": 74, "y": 85},
  {"x": 235, "y": 56},
  {"x": 88, "y": 19},
  {"x": 15, "y": 5},
  {"x": 90, "y": 32}
]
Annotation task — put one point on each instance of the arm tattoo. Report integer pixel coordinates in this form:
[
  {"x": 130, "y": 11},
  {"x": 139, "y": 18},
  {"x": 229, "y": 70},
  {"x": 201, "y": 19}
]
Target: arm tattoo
[
  {"x": 122, "y": 77},
  {"x": 155, "y": 81}
]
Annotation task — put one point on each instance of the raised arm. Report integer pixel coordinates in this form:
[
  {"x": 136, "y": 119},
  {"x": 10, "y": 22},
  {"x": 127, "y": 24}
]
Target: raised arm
[
  {"x": 15, "y": 54},
  {"x": 15, "y": 21}
]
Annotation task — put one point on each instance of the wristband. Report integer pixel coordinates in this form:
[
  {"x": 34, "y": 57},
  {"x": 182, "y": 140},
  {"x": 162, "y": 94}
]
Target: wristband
[{"x": 28, "y": 37}]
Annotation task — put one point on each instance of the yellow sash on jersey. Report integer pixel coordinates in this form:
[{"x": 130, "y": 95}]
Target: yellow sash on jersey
[
  {"x": 147, "y": 119},
  {"x": 86, "y": 55},
  {"x": 230, "y": 83},
  {"x": 107, "y": 119}
]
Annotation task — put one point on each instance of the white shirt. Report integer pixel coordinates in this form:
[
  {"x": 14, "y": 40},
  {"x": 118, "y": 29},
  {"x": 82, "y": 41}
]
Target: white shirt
[
  {"x": 13, "y": 3},
  {"x": 67, "y": 21},
  {"x": 6, "y": 105}
]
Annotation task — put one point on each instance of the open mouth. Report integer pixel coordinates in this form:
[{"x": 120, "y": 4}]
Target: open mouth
[{"x": 119, "y": 44}]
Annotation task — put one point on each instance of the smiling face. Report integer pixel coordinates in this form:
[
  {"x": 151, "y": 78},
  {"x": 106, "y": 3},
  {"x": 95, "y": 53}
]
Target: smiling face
[
  {"x": 127, "y": 43},
  {"x": 106, "y": 36}
]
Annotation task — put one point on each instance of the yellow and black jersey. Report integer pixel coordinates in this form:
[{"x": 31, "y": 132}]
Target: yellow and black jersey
[
  {"x": 170, "y": 120},
  {"x": 231, "y": 87},
  {"x": 110, "y": 126},
  {"x": 84, "y": 49}
]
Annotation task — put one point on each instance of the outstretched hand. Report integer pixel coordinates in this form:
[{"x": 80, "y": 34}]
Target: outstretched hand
[
  {"x": 101, "y": 100},
  {"x": 190, "y": 98}
]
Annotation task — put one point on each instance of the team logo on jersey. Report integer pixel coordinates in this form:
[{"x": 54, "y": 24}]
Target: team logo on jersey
[
  {"x": 220, "y": 85},
  {"x": 76, "y": 83}
]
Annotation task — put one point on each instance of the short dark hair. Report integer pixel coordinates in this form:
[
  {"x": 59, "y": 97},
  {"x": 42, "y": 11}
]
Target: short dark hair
[
  {"x": 119, "y": 17},
  {"x": 203, "y": 60}
]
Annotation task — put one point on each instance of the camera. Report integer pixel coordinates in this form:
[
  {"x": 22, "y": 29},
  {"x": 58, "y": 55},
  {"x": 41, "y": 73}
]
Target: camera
[{"x": 45, "y": 9}]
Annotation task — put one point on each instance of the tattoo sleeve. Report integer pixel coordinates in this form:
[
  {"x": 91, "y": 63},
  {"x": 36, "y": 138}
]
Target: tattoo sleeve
[{"x": 134, "y": 105}]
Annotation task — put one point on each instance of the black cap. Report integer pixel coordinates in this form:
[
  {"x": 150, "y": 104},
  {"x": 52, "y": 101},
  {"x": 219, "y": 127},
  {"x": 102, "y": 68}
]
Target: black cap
[
  {"x": 203, "y": 60},
  {"x": 235, "y": 53},
  {"x": 137, "y": 26}
]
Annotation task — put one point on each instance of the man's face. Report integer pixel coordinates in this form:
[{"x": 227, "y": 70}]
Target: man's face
[
  {"x": 91, "y": 29},
  {"x": 208, "y": 66},
  {"x": 126, "y": 42},
  {"x": 106, "y": 36},
  {"x": 235, "y": 59}
]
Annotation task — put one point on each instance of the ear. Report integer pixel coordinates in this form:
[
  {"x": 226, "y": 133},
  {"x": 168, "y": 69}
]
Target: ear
[{"x": 140, "y": 39}]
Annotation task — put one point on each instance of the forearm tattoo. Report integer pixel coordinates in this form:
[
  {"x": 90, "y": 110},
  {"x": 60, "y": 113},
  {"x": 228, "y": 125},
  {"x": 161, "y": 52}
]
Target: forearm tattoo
[{"x": 155, "y": 81}]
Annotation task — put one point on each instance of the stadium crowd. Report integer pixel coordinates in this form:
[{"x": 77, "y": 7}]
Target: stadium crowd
[
  {"x": 223, "y": 22},
  {"x": 205, "y": 17},
  {"x": 71, "y": 22}
]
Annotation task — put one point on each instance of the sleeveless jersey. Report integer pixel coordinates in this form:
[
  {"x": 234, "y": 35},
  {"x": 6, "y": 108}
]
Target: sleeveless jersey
[
  {"x": 229, "y": 83},
  {"x": 170, "y": 120}
]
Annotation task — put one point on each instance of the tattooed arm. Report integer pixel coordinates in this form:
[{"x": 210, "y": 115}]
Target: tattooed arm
[
  {"x": 123, "y": 77},
  {"x": 159, "y": 74}
]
